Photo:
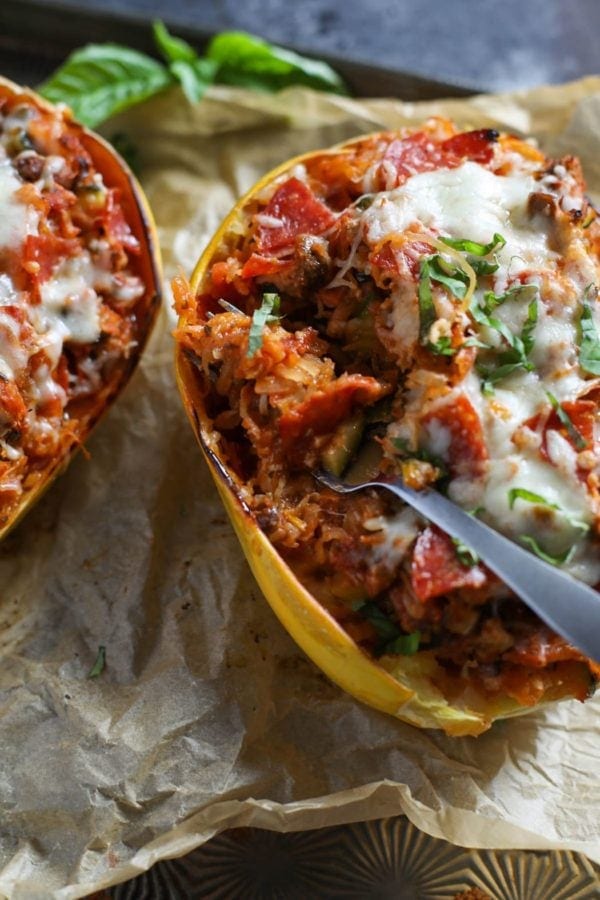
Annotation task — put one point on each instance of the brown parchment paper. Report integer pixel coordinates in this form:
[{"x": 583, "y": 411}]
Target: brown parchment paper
[{"x": 207, "y": 716}]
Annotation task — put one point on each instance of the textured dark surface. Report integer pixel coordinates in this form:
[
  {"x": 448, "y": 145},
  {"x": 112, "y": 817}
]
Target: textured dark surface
[
  {"x": 385, "y": 860},
  {"x": 488, "y": 44}
]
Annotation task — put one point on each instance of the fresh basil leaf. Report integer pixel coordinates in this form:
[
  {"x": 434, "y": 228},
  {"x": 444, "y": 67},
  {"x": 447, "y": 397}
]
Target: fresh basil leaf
[
  {"x": 427, "y": 313},
  {"x": 247, "y": 61},
  {"x": 557, "y": 560},
  {"x": 173, "y": 49},
  {"x": 404, "y": 644},
  {"x": 194, "y": 77},
  {"x": 101, "y": 80},
  {"x": 475, "y": 248},
  {"x": 100, "y": 663},
  {"x": 565, "y": 420},
  {"x": 466, "y": 556},
  {"x": 589, "y": 347},
  {"x": 267, "y": 312}
]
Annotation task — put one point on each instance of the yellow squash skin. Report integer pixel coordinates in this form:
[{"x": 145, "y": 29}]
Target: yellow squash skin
[
  {"x": 116, "y": 173},
  {"x": 399, "y": 686}
]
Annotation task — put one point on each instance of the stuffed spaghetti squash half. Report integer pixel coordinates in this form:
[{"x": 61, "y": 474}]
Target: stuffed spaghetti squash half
[
  {"x": 79, "y": 289},
  {"x": 421, "y": 303}
]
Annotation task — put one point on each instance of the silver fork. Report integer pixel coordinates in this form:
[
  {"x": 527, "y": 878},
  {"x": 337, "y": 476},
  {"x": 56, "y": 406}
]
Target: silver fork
[{"x": 566, "y": 605}]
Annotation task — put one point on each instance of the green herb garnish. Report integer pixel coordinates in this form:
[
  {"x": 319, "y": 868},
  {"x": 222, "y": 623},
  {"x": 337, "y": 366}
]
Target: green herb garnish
[
  {"x": 100, "y": 663},
  {"x": 448, "y": 274},
  {"x": 475, "y": 248},
  {"x": 100, "y": 80},
  {"x": 589, "y": 347},
  {"x": 404, "y": 644},
  {"x": 528, "y": 496},
  {"x": 427, "y": 313},
  {"x": 466, "y": 556},
  {"x": 392, "y": 640},
  {"x": 520, "y": 347},
  {"x": 565, "y": 420},
  {"x": 515, "y": 494},
  {"x": 558, "y": 560},
  {"x": 265, "y": 314},
  {"x": 483, "y": 266},
  {"x": 442, "y": 347},
  {"x": 436, "y": 268}
]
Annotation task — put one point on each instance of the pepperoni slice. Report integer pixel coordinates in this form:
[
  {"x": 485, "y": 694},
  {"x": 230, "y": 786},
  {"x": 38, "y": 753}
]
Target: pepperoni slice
[
  {"x": 436, "y": 569},
  {"x": 541, "y": 648},
  {"x": 467, "y": 451},
  {"x": 257, "y": 265},
  {"x": 582, "y": 414},
  {"x": 323, "y": 410},
  {"x": 13, "y": 409},
  {"x": 419, "y": 153},
  {"x": 400, "y": 260},
  {"x": 298, "y": 211},
  {"x": 42, "y": 252},
  {"x": 477, "y": 146}
]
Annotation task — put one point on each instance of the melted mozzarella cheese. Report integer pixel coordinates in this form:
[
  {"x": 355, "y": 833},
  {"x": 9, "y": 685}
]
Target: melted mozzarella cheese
[
  {"x": 70, "y": 306},
  {"x": 17, "y": 219},
  {"x": 466, "y": 202},
  {"x": 396, "y": 535},
  {"x": 472, "y": 202}
]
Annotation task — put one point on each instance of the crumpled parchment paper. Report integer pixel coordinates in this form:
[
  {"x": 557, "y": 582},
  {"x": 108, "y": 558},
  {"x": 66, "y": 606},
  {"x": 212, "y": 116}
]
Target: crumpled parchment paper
[{"x": 207, "y": 716}]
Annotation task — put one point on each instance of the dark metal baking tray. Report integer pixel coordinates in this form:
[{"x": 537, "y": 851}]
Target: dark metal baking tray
[{"x": 36, "y": 37}]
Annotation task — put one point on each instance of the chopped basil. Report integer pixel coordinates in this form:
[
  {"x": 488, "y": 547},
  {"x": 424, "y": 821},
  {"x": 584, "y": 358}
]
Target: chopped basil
[
  {"x": 427, "y": 313},
  {"x": 473, "y": 247},
  {"x": 442, "y": 347},
  {"x": 589, "y": 347},
  {"x": 266, "y": 313},
  {"x": 520, "y": 346},
  {"x": 448, "y": 274},
  {"x": 392, "y": 639},
  {"x": 558, "y": 560},
  {"x": 404, "y": 644},
  {"x": 492, "y": 300},
  {"x": 100, "y": 663},
  {"x": 523, "y": 494},
  {"x": 565, "y": 420},
  {"x": 436, "y": 268},
  {"x": 466, "y": 556},
  {"x": 515, "y": 494},
  {"x": 483, "y": 266}
]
